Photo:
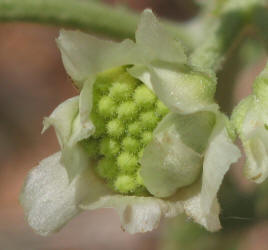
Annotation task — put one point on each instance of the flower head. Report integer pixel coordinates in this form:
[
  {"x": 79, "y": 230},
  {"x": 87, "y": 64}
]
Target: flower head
[
  {"x": 144, "y": 136},
  {"x": 250, "y": 118}
]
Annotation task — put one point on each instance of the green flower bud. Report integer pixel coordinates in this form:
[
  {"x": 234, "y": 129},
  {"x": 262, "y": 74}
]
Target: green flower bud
[
  {"x": 115, "y": 128},
  {"x": 143, "y": 97},
  {"x": 125, "y": 184},
  {"x": 107, "y": 168},
  {"x": 131, "y": 144},
  {"x": 106, "y": 106}
]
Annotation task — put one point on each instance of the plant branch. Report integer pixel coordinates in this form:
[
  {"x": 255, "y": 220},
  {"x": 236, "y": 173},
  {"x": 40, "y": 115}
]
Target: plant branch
[
  {"x": 93, "y": 16},
  {"x": 229, "y": 23}
]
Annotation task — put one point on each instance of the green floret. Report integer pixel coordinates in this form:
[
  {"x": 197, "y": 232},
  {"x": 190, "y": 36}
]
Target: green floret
[
  {"x": 115, "y": 128},
  {"x": 131, "y": 144},
  {"x": 148, "y": 119},
  {"x": 127, "y": 163},
  {"x": 135, "y": 128},
  {"x": 105, "y": 79},
  {"x": 109, "y": 147},
  {"x": 107, "y": 168},
  {"x": 146, "y": 137},
  {"x": 144, "y": 97},
  {"x": 99, "y": 124},
  {"x": 125, "y": 113},
  {"x": 125, "y": 184},
  {"x": 161, "y": 109},
  {"x": 120, "y": 91},
  {"x": 106, "y": 107}
]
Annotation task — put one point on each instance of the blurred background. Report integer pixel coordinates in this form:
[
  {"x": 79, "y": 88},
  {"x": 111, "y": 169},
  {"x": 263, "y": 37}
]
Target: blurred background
[{"x": 34, "y": 82}]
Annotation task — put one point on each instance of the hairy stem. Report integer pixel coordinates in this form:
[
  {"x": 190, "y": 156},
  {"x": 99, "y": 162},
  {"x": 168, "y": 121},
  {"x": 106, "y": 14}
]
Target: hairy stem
[
  {"x": 226, "y": 27},
  {"x": 87, "y": 15}
]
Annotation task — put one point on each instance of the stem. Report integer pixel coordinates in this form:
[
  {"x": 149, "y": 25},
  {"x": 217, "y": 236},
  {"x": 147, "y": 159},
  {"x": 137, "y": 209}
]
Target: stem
[
  {"x": 211, "y": 54},
  {"x": 260, "y": 20},
  {"x": 116, "y": 22},
  {"x": 234, "y": 16},
  {"x": 85, "y": 15}
]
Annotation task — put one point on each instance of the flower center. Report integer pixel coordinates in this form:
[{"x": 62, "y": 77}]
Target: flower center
[{"x": 125, "y": 112}]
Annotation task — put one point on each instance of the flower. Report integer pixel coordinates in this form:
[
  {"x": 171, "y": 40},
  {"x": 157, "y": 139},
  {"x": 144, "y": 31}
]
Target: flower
[
  {"x": 144, "y": 136},
  {"x": 250, "y": 118}
]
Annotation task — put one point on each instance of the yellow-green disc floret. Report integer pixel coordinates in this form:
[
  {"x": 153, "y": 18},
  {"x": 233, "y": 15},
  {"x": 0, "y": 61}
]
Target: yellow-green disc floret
[
  {"x": 125, "y": 184},
  {"x": 131, "y": 144},
  {"x": 106, "y": 106},
  {"x": 127, "y": 163},
  {"x": 125, "y": 113},
  {"x": 144, "y": 97}
]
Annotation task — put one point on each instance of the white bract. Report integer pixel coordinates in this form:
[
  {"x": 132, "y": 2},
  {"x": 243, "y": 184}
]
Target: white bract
[
  {"x": 250, "y": 119},
  {"x": 184, "y": 163}
]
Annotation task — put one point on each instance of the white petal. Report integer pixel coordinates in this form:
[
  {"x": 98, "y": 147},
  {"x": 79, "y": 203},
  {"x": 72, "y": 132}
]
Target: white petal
[
  {"x": 142, "y": 214},
  {"x": 168, "y": 164},
  {"x": 84, "y": 55},
  {"x": 250, "y": 118},
  {"x": 70, "y": 130},
  {"x": 142, "y": 73},
  {"x": 256, "y": 149},
  {"x": 86, "y": 103},
  {"x": 61, "y": 119},
  {"x": 191, "y": 200},
  {"x": 174, "y": 158},
  {"x": 221, "y": 153},
  {"x": 180, "y": 90},
  {"x": 74, "y": 159},
  {"x": 137, "y": 214},
  {"x": 48, "y": 198},
  {"x": 156, "y": 43}
]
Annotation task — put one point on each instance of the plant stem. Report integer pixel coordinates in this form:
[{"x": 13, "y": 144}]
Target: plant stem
[
  {"x": 229, "y": 22},
  {"x": 260, "y": 19},
  {"x": 87, "y": 15}
]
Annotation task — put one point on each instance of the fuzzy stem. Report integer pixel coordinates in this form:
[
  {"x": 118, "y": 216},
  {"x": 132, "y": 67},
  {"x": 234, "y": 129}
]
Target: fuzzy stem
[
  {"x": 94, "y": 16},
  {"x": 260, "y": 20},
  {"x": 234, "y": 16}
]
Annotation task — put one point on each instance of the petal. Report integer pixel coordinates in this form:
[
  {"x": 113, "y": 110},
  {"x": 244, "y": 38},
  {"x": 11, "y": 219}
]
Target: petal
[
  {"x": 176, "y": 150},
  {"x": 191, "y": 200},
  {"x": 156, "y": 43},
  {"x": 82, "y": 126},
  {"x": 253, "y": 117},
  {"x": 49, "y": 200},
  {"x": 240, "y": 113},
  {"x": 84, "y": 55},
  {"x": 194, "y": 129},
  {"x": 220, "y": 154},
  {"x": 61, "y": 119},
  {"x": 74, "y": 159},
  {"x": 182, "y": 90},
  {"x": 142, "y": 214},
  {"x": 137, "y": 214},
  {"x": 142, "y": 73},
  {"x": 86, "y": 103},
  {"x": 256, "y": 149},
  {"x": 250, "y": 119},
  {"x": 70, "y": 130}
]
